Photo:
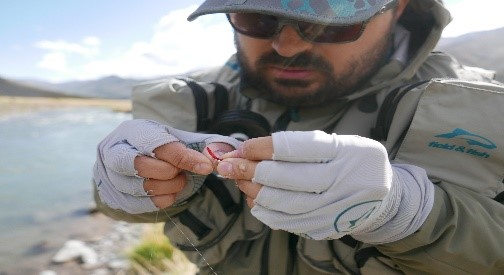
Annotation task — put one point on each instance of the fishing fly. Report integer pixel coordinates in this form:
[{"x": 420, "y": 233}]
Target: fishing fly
[{"x": 212, "y": 154}]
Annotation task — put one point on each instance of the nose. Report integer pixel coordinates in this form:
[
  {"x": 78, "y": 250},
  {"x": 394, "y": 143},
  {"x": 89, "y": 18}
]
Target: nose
[{"x": 288, "y": 43}]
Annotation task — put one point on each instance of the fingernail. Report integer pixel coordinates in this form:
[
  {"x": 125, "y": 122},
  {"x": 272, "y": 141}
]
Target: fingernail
[
  {"x": 225, "y": 168},
  {"x": 202, "y": 168}
]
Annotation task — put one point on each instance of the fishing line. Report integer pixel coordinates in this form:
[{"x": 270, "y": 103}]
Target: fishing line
[{"x": 190, "y": 242}]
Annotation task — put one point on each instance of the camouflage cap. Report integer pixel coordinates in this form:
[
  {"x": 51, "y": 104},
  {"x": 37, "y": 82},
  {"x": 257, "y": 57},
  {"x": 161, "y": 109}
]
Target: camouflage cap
[{"x": 341, "y": 12}]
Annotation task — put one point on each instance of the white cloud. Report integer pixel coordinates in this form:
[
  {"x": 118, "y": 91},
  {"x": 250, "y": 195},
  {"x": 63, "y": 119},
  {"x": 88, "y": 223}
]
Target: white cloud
[
  {"x": 176, "y": 46},
  {"x": 61, "y": 53},
  {"x": 54, "y": 61},
  {"x": 470, "y": 16},
  {"x": 91, "y": 41},
  {"x": 88, "y": 47}
]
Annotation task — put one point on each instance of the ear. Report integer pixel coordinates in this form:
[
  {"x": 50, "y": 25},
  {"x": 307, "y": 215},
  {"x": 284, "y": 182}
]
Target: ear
[{"x": 401, "y": 5}]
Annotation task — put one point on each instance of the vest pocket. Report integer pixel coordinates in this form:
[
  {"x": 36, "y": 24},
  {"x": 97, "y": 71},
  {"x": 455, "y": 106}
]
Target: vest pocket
[{"x": 209, "y": 228}]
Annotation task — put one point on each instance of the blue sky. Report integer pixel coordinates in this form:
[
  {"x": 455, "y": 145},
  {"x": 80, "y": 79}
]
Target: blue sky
[{"x": 62, "y": 40}]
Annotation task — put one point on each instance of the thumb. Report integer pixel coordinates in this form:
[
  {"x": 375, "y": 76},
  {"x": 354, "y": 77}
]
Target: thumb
[{"x": 178, "y": 155}]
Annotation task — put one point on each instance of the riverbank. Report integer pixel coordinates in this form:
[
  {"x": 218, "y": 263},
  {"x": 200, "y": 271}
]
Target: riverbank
[
  {"x": 11, "y": 105},
  {"x": 90, "y": 229},
  {"x": 94, "y": 244},
  {"x": 46, "y": 189}
]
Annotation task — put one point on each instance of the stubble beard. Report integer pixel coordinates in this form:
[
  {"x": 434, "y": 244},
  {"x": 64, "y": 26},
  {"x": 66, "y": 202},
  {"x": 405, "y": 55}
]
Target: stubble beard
[{"x": 335, "y": 86}]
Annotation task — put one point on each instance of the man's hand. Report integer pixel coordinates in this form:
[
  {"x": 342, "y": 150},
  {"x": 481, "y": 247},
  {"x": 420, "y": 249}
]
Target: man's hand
[
  {"x": 325, "y": 186},
  {"x": 142, "y": 166},
  {"x": 164, "y": 176},
  {"x": 240, "y": 165}
]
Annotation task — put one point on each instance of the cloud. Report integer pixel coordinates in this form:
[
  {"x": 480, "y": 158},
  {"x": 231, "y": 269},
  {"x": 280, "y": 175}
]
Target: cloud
[
  {"x": 470, "y": 16},
  {"x": 177, "y": 46},
  {"x": 91, "y": 41},
  {"x": 88, "y": 47},
  {"x": 54, "y": 61},
  {"x": 61, "y": 53}
]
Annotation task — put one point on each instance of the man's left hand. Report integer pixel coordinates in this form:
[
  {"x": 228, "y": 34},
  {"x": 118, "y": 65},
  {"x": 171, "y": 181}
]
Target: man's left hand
[{"x": 318, "y": 185}]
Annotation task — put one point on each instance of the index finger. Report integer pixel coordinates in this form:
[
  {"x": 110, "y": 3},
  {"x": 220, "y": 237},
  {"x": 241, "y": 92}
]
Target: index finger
[
  {"x": 260, "y": 148},
  {"x": 184, "y": 158}
]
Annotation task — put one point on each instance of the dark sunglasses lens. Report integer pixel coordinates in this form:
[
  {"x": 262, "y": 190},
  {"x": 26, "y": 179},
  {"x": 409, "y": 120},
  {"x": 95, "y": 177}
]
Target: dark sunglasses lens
[
  {"x": 330, "y": 34},
  {"x": 254, "y": 24}
]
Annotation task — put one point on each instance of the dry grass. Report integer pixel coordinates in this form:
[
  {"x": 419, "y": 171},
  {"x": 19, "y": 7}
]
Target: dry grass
[
  {"x": 14, "y": 105},
  {"x": 156, "y": 255}
]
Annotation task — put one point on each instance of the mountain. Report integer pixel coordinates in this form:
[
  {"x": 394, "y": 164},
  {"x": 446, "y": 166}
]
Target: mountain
[
  {"x": 481, "y": 49},
  {"x": 106, "y": 87},
  {"x": 13, "y": 88}
]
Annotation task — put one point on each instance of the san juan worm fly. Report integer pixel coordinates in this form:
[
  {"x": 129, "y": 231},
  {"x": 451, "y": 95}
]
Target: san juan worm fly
[{"x": 213, "y": 155}]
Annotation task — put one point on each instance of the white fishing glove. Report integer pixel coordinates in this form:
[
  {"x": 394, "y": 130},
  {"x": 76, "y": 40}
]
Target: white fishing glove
[
  {"x": 323, "y": 186},
  {"x": 116, "y": 179}
]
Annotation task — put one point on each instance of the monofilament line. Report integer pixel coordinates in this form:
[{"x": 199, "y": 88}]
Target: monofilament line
[{"x": 192, "y": 244}]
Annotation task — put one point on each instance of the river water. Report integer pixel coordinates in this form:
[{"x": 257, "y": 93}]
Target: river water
[{"x": 46, "y": 161}]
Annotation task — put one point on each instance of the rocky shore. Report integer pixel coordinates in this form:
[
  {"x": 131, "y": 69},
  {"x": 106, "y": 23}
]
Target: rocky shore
[
  {"x": 106, "y": 255},
  {"x": 93, "y": 244},
  {"x": 85, "y": 243}
]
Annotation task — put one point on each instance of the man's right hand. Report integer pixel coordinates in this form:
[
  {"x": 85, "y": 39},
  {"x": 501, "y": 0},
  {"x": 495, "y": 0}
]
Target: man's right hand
[
  {"x": 141, "y": 166},
  {"x": 163, "y": 175}
]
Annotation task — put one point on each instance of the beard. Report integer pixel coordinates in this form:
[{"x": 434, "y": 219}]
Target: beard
[{"x": 334, "y": 86}]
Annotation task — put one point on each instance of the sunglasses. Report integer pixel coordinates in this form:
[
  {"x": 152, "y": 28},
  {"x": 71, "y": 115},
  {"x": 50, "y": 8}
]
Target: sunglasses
[{"x": 267, "y": 26}]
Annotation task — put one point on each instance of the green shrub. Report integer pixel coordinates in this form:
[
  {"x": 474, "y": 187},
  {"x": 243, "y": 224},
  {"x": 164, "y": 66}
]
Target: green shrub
[
  {"x": 153, "y": 251},
  {"x": 156, "y": 255}
]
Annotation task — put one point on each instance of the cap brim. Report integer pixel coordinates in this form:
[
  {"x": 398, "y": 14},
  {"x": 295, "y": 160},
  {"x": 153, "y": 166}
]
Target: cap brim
[{"x": 323, "y": 12}]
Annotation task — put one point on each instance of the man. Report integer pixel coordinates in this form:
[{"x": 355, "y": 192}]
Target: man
[{"x": 300, "y": 201}]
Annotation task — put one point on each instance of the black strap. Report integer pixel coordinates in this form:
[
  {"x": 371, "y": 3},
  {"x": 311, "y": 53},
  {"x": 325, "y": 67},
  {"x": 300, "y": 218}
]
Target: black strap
[
  {"x": 290, "y": 114},
  {"x": 388, "y": 109},
  {"x": 201, "y": 103},
  {"x": 221, "y": 234},
  {"x": 265, "y": 255},
  {"x": 194, "y": 224},
  {"x": 348, "y": 240},
  {"x": 368, "y": 104},
  {"x": 222, "y": 194},
  {"x": 221, "y": 100},
  {"x": 500, "y": 196},
  {"x": 364, "y": 254}
]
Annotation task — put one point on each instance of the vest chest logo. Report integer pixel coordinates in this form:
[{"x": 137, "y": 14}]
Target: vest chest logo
[{"x": 472, "y": 144}]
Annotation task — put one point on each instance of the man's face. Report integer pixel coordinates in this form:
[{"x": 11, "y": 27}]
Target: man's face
[{"x": 291, "y": 71}]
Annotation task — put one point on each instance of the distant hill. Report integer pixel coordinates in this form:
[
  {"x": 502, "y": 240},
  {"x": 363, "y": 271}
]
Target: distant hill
[
  {"x": 12, "y": 88},
  {"x": 107, "y": 87},
  {"x": 481, "y": 49}
]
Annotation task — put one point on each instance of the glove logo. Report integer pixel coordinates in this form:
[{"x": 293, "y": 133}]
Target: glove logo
[{"x": 355, "y": 215}]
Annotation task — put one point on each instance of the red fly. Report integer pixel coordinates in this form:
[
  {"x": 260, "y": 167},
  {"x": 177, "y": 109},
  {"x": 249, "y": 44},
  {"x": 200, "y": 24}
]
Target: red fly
[{"x": 212, "y": 154}]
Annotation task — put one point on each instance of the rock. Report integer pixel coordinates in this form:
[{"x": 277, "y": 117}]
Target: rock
[
  {"x": 101, "y": 271},
  {"x": 121, "y": 264},
  {"x": 76, "y": 250}
]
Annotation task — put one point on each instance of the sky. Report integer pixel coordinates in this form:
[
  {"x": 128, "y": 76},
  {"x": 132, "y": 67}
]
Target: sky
[{"x": 67, "y": 40}]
